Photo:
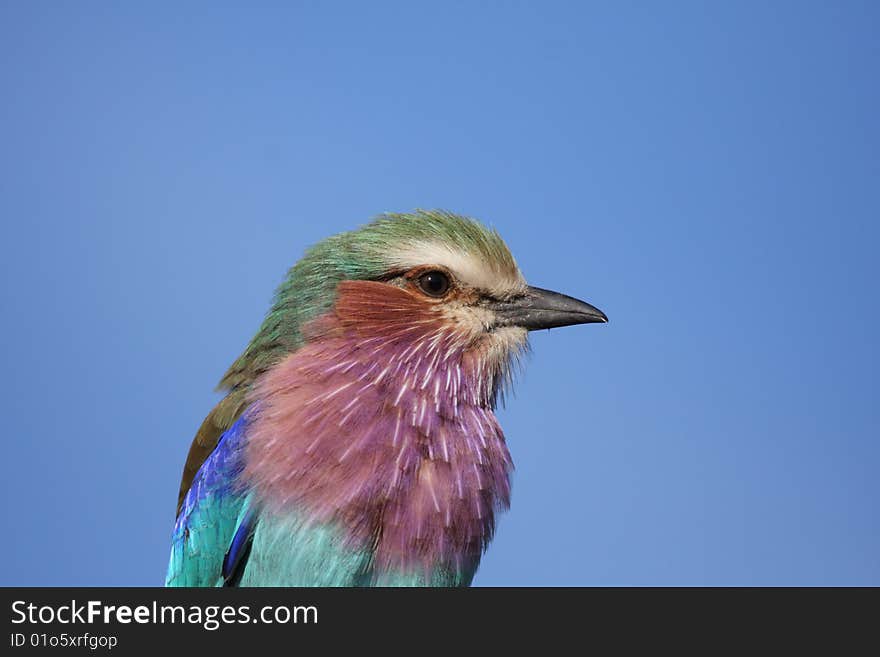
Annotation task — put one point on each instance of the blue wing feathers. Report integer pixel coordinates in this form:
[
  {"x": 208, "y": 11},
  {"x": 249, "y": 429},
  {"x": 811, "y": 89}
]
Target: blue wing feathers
[
  {"x": 239, "y": 550},
  {"x": 210, "y": 514}
]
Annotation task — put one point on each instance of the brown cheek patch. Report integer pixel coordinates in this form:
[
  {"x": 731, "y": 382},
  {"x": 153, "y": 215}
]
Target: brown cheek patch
[{"x": 369, "y": 307}]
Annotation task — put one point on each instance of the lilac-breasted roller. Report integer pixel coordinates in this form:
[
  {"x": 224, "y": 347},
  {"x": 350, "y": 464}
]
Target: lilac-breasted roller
[{"x": 357, "y": 444}]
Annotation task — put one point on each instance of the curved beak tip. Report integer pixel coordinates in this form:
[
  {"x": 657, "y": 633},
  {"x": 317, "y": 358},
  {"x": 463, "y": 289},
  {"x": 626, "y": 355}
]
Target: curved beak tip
[{"x": 544, "y": 309}]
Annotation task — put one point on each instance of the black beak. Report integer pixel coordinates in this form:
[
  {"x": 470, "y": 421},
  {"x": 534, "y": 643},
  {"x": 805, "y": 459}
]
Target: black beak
[{"x": 543, "y": 309}]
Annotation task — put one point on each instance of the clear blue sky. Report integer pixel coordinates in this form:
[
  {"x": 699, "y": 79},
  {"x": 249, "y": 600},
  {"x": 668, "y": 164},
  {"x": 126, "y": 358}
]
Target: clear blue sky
[{"x": 706, "y": 173}]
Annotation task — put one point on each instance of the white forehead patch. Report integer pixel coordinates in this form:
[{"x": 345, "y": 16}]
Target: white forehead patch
[{"x": 470, "y": 268}]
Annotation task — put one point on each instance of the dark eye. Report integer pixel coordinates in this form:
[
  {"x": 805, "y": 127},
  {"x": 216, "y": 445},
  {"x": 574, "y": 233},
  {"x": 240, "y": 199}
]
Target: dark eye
[{"x": 434, "y": 283}]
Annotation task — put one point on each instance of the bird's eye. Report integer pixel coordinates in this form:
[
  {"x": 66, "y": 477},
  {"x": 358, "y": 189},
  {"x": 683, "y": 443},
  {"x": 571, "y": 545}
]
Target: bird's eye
[{"x": 434, "y": 283}]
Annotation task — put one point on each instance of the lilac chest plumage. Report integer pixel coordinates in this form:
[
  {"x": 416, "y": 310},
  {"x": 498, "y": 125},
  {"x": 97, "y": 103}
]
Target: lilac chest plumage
[{"x": 382, "y": 424}]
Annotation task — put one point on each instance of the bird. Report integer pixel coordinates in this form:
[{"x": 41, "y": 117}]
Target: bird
[{"x": 357, "y": 443}]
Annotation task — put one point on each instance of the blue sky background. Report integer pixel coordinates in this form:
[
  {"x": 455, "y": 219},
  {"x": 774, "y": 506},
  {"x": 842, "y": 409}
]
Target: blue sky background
[{"x": 706, "y": 173}]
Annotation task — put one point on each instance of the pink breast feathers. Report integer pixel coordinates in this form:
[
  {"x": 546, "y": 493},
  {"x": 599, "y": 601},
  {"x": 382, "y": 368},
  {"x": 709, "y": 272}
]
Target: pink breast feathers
[{"x": 383, "y": 424}]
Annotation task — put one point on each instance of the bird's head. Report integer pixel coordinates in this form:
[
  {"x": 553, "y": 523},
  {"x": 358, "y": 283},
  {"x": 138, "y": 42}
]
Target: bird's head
[{"x": 417, "y": 278}]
